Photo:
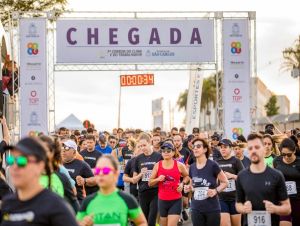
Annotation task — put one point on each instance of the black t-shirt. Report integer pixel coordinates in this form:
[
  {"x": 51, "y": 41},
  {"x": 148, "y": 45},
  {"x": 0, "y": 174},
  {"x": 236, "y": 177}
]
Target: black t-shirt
[
  {"x": 143, "y": 161},
  {"x": 246, "y": 162},
  {"x": 204, "y": 179},
  {"x": 256, "y": 187},
  {"x": 234, "y": 166},
  {"x": 91, "y": 157},
  {"x": 291, "y": 173},
  {"x": 185, "y": 152},
  {"x": 126, "y": 154},
  {"x": 79, "y": 168},
  {"x": 4, "y": 188},
  {"x": 69, "y": 195},
  {"x": 216, "y": 154},
  {"x": 45, "y": 209},
  {"x": 129, "y": 170}
]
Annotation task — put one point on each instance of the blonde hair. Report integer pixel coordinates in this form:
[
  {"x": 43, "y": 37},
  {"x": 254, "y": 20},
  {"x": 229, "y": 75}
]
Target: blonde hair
[{"x": 144, "y": 136}]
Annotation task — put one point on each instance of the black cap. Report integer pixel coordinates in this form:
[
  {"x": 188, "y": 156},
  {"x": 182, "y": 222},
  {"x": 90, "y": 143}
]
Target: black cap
[
  {"x": 167, "y": 145},
  {"x": 226, "y": 142},
  {"x": 30, "y": 146},
  {"x": 216, "y": 136}
]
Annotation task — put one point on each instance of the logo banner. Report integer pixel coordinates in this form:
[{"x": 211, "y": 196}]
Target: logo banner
[
  {"x": 237, "y": 81},
  {"x": 33, "y": 77},
  {"x": 135, "y": 41}
]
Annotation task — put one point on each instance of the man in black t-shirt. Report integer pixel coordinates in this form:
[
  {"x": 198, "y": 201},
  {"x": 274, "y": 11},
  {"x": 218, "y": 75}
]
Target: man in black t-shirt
[
  {"x": 261, "y": 191},
  {"x": 90, "y": 155}
]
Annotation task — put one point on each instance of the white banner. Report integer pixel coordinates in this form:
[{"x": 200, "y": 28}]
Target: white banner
[
  {"x": 194, "y": 101},
  {"x": 134, "y": 41},
  {"x": 33, "y": 77},
  {"x": 236, "y": 85}
]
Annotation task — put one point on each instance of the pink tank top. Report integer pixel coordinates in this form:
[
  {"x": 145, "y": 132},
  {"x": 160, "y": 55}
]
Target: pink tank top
[{"x": 167, "y": 190}]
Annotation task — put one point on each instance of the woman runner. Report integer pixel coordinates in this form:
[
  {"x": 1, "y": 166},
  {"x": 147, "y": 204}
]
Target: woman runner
[
  {"x": 109, "y": 206},
  {"x": 166, "y": 173}
]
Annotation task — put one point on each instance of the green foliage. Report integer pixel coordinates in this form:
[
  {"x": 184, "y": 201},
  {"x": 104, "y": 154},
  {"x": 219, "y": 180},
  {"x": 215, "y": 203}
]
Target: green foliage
[{"x": 271, "y": 106}]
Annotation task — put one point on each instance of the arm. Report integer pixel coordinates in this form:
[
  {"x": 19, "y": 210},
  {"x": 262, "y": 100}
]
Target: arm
[
  {"x": 184, "y": 173},
  {"x": 128, "y": 179},
  {"x": 154, "y": 179},
  {"x": 140, "y": 220},
  {"x": 114, "y": 154},
  {"x": 283, "y": 209},
  {"x": 223, "y": 182}
]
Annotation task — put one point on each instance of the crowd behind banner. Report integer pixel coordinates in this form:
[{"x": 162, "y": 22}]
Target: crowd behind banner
[{"x": 135, "y": 177}]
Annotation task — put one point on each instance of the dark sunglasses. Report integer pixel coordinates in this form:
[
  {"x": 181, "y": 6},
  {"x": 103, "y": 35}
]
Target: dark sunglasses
[
  {"x": 21, "y": 161},
  {"x": 166, "y": 150},
  {"x": 198, "y": 146},
  {"x": 104, "y": 170},
  {"x": 287, "y": 154}
]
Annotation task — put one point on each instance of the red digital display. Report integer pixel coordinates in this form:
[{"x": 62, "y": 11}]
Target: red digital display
[{"x": 137, "y": 80}]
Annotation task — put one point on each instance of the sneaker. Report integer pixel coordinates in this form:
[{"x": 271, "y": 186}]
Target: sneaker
[{"x": 185, "y": 216}]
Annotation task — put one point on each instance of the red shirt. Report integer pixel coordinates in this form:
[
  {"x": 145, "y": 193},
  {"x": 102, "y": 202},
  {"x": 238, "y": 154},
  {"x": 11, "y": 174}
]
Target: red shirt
[{"x": 167, "y": 189}]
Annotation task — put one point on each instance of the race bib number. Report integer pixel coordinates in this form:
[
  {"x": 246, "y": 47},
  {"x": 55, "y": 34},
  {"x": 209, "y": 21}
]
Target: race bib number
[
  {"x": 147, "y": 175},
  {"x": 200, "y": 193},
  {"x": 230, "y": 187},
  {"x": 259, "y": 218},
  {"x": 291, "y": 187}
]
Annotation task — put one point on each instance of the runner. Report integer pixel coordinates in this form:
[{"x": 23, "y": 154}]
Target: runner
[
  {"x": 238, "y": 149},
  {"x": 30, "y": 205},
  {"x": 109, "y": 206},
  {"x": 128, "y": 153},
  {"x": 231, "y": 166},
  {"x": 205, "y": 175},
  {"x": 261, "y": 191},
  {"x": 117, "y": 154},
  {"x": 156, "y": 142},
  {"x": 177, "y": 139},
  {"x": 215, "y": 139},
  {"x": 289, "y": 164},
  {"x": 148, "y": 196},
  {"x": 78, "y": 170},
  {"x": 270, "y": 149},
  {"x": 60, "y": 183},
  {"x": 102, "y": 146},
  {"x": 82, "y": 144},
  {"x": 90, "y": 154},
  {"x": 166, "y": 173}
]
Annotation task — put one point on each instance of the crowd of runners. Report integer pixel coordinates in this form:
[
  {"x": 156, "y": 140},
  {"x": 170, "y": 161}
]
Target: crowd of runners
[{"x": 135, "y": 177}]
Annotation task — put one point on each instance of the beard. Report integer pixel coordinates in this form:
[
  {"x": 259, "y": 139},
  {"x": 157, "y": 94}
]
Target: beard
[{"x": 254, "y": 159}]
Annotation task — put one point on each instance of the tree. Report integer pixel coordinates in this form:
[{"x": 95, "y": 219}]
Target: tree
[
  {"x": 9, "y": 6},
  {"x": 209, "y": 96},
  {"x": 271, "y": 106},
  {"x": 291, "y": 62}
]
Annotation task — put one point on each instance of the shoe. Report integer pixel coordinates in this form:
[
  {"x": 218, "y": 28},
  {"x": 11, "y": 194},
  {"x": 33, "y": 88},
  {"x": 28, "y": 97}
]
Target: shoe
[{"x": 185, "y": 216}]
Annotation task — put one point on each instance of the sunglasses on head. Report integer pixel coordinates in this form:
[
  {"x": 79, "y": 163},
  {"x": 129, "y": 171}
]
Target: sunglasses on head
[
  {"x": 104, "y": 170},
  {"x": 21, "y": 161},
  {"x": 198, "y": 146},
  {"x": 287, "y": 154},
  {"x": 166, "y": 150}
]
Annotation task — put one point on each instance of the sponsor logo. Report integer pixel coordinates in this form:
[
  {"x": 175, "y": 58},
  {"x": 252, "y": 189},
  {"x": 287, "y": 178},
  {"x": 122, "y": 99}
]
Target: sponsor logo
[
  {"x": 237, "y": 116},
  {"x": 237, "y": 98},
  {"x": 32, "y": 31},
  {"x": 235, "y": 30},
  {"x": 34, "y": 119},
  {"x": 33, "y": 66},
  {"x": 32, "y": 48},
  {"x": 33, "y": 99},
  {"x": 236, "y": 48},
  {"x": 236, "y": 132}
]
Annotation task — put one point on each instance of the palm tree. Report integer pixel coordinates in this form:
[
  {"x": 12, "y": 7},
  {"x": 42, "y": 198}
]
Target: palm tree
[
  {"x": 291, "y": 62},
  {"x": 209, "y": 96}
]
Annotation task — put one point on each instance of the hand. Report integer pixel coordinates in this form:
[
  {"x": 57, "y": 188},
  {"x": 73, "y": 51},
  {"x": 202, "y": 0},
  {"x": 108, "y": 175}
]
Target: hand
[
  {"x": 87, "y": 221},
  {"x": 180, "y": 187},
  {"x": 211, "y": 192},
  {"x": 247, "y": 207},
  {"x": 80, "y": 181},
  {"x": 161, "y": 178},
  {"x": 144, "y": 170},
  {"x": 270, "y": 207},
  {"x": 187, "y": 188}
]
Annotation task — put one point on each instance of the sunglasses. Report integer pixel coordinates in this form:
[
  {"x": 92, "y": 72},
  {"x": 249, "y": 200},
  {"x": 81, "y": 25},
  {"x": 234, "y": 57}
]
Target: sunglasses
[
  {"x": 198, "y": 146},
  {"x": 104, "y": 170},
  {"x": 287, "y": 154},
  {"x": 21, "y": 161},
  {"x": 166, "y": 150}
]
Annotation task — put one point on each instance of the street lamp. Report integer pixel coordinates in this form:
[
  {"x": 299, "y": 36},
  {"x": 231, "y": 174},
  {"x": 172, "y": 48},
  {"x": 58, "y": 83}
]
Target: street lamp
[{"x": 293, "y": 54}]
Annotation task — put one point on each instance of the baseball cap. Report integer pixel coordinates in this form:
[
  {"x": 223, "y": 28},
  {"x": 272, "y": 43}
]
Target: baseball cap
[
  {"x": 30, "y": 146},
  {"x": 167, "y": 145},
  {"x": 216, "y": 136},
  {"x": 226, "y": 142},
  {"x": 70, "y": 144}
]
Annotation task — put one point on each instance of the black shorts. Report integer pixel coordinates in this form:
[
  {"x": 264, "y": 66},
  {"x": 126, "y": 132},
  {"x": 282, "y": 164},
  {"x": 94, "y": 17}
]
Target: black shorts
[
  {"x": 228, "y": 207},
  {"x": 169, "y": 207}
]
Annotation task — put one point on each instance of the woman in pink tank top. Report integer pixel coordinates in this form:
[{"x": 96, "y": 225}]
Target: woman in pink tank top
[{"x": 166, "y": 173}]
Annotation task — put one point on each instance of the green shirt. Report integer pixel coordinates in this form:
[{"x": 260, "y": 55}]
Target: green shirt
[
  {"x": 113, "y": 209},
  {"x": 56, "y": 184},
  {"x": 269, "y": 160}
]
